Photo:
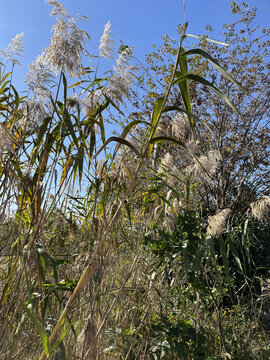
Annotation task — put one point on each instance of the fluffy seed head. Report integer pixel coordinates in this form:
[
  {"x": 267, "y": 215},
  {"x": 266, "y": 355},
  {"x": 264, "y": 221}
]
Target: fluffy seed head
[
  {"x": 106, "y": 43},
  {"x": 169, "y": 224},
  {"x": 217, "y": 223},
  {"x": 125, "y": 166},
  {"x": 177, "y": 205},
  {"x": 58, "y": 8},
  {"x": 167, "y": 167},
  {"x": 34, "y": 112},
  {"x": 167, "y": 161},
  {"x": 67, "y": 43},
  {"x": 39, "y": 78},
  {"x": 90, "y": 102},
  {"x": 120, "y": 83},
  {"x": 180, "y": 126},
  {"x": 210, "y": 161},
  {"x": 173, "y": 210},
  {"x": 74, "y": 101},
  {"x": 260, "y": 209},
  {"x": 14, "y": 49},
  {"x": 6, "y": 141},
  {"x": 205, "y": 166}
]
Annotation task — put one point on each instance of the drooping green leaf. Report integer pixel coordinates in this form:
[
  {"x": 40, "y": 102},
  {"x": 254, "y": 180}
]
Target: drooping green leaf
[
  {"x": 246, "y": 240},
  {"x": 209, "y": 85},
  {"x": 42, "y": 130},
  {"x": 167, "y": 138},
  {"x": 127, "y": 129},
  {"x": 17, "y": 98},
  {"x": 68, "y": 123},
  {"x": 158, "y": 106},
  {"x": 119, "y": 140},
  {"x": 184, "y": 87},
  {"x": 214, "y": 63},
  {"x": 92, "y": 142},
  {"x": 102, "y": 128},
  {"x": 224, "y": 255},
  {"x": 236, "y": 256},
  {"x": 60, "y": 339},
  {"x": 43, "y": 336},
  {"x": 198, "y": 261}
]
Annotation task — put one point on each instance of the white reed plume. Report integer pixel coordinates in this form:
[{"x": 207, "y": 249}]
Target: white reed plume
[
  {"x": 167, "y": 167},
  {"x": 205, "y": 166},
  {"x": 39, "y": 78},
  {"x": 181, "y": 126},
  {"x": 6, "y": 140},
  {"x": 67, "y": 43},
  {"x": 74, "y": 101},
  {"x": 217, "y": 224},
  {"x": 91, "y": 101},
  {"x": 177, "y": 205},
  {"x": 34, "y": 112},
  {"x": 14, "y": 49},
  {"x": 193, "y": 147},
  {"x": 173, "y": 210},
  {"x": 123, "y": 60},
  {"x": 260, "y": 209},
  {"x": 171, "y": 213},
  {"x": 125, "y": 166},
  {"x": 58, "y": 8},
  {"x": 210, "y": 162},
  {"x": 169, "y": 224},
  {"x": 120, "y": 83},
  {"x": 167, "y": 161},
  {"x": 106, "y": 44}
]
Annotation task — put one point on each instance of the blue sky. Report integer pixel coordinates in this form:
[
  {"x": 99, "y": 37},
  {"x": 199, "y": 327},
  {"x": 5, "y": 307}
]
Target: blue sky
[{"x": 138, "y": 23}]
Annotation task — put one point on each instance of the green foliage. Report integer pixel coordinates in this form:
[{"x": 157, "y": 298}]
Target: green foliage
[
  {"x": 177, "y": 338},
  {"x": 183, "y": 241}
]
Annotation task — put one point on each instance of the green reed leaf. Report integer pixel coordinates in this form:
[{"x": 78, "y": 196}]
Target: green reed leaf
[{"x": 43, "y": 336}]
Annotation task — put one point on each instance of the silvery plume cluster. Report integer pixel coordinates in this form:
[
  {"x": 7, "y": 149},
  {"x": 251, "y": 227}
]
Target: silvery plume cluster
[
  {"x": 204, "y": 166},
  {"x": 106, "y": 43},
  {"x": 172, "y": 209},
  {"x": 14, "y": 49},
  {"x": 120, "y": 82},
  {"x": 167, "y": 166},
  {"x": 11, "y": 53},
  {"x": 67, "y": 44},
  {"x": 39, "y": 79},
  {"x": 65, "y": 54},
  {"x": 218, "y": 223},
  {"x": 260, "y": 209},
  {"x": 6, "y": 140},
  {"x": 199, "y": 166}
]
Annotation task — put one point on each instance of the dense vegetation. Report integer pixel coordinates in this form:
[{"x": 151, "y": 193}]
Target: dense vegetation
[{"x": 152, "y": 242}]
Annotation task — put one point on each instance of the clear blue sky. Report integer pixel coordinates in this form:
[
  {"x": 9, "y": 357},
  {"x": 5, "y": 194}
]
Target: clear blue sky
[{"x": 138, "y": 23}]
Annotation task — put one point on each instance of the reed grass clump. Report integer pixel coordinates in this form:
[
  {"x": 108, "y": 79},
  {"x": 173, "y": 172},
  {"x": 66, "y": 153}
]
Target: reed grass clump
[{"x": 107, "y": 251}]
